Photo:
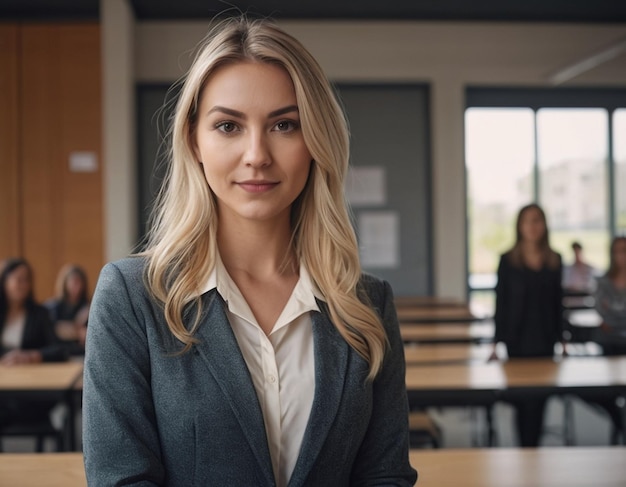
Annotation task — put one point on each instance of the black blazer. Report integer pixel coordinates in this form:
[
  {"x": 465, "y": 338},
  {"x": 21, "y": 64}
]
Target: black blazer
[
  {"x": 529, "y": 310},
  {"x": 39, "y": 335}
]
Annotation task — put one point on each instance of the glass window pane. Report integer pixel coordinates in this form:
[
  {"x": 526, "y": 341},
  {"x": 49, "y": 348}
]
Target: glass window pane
[
  {"x": 619, "y": 155},
  {"x": 499, "y": 151},
  {"x": 572, "y": 146}
]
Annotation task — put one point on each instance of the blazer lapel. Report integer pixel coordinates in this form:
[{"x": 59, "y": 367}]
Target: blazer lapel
[
  {"x": 220, "y": 351},
  {"x": 331, "y": 359}
]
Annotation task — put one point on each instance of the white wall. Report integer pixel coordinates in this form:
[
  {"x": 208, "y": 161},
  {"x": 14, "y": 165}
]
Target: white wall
[
  {"x": 118, "y": 91},
  {"x": 447, "y": 55}
]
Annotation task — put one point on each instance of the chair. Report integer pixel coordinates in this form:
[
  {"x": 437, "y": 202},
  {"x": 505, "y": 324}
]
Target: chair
[
  {"x": 423, "y": 430},
  {"x": 41, "y": 430}
]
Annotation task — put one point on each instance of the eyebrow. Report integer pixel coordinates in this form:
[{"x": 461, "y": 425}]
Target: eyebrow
[{"x": 238, "y": 114}]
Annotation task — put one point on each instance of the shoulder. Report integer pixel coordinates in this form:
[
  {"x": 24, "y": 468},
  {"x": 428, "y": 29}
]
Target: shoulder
[
  {"x": 373, "y": 286},
  {"x": 375, "y": 291},
  {"x": 129, "y": 270}
]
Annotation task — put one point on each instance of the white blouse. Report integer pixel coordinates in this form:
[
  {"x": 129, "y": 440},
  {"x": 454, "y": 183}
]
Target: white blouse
[
  {"x": 13, "y": 332},
  {"x": 281, "y": 364}
]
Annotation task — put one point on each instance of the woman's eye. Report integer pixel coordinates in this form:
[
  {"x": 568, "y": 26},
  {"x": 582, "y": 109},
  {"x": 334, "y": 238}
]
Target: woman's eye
[
  {"x": 226, "y": 127},
  {"x": 286, "y": 126}
]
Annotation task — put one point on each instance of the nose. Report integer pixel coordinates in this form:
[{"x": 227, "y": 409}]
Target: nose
[{"x": 257, "y": 152}]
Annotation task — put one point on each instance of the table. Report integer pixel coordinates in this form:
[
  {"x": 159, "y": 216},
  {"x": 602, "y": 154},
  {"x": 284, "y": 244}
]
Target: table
[
  {"x": 416, "y": 353},
  {"x": 50, "y": 380},
  {"x": 483, "y": 384},
  {"x": 471, "y": 467},
  {"x": 434, "y": 313},
  {"x": 528, "y": 467},
  {"x": 447, "y": 332},
  {"x": 42, "y": 469},
  {"x": 571, "y": 374},
  {"x": 429, "y": 301}
]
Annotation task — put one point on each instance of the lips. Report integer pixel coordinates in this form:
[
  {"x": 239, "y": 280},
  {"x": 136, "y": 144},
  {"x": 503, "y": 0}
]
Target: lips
[{"x": 257, "y": 186}]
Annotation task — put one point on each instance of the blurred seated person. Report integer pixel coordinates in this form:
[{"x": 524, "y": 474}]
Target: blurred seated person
[
  {"x": 69, "y": 310},
  {"x": 578, "y": 277},
  {"x": 610, "y": 301},
  {"x": 26, "y": 336}
]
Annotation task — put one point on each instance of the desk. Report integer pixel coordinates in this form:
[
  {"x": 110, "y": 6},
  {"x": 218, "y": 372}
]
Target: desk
[
  {"x": 415, "y": 354},
  {"x": 49, "y": 380},
  {"x": 428, "y": 301},
  {"x": 528, "y": 467},
  {"x": 571, "y": 374},
  {"x": 42, "y": 469},
  {"x": 418, "y": 314},
  {"x": 447, "y": 332},
  {"x": 483, "y": 384}
]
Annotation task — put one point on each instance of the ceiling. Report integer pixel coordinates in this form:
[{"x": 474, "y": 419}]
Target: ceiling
[{"x": 587, "y": 11}]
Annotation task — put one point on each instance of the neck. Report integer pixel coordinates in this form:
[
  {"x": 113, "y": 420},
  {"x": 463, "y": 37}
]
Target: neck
[
  {"x": 258, "y": 249},
  {"x": 15, "y": 307}
]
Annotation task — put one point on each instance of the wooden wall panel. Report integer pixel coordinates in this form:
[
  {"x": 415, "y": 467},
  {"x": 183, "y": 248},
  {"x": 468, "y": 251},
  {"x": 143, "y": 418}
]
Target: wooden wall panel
[
  {"x": 9, "y": 142},
  {"x": 60, "y": 115}
]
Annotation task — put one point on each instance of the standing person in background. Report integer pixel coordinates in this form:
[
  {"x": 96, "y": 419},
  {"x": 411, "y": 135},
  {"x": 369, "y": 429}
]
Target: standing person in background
[
  {"x": 528, "y": 316},
  {"x": 27, "y": 336},
  {"x": 578, "y": 277},
  {"x": 70, "y": 308},
  {"x": 245, "y": 347}
]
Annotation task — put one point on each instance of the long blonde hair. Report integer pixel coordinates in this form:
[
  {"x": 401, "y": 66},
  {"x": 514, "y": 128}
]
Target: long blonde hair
[{"x": 182, "y": 244}]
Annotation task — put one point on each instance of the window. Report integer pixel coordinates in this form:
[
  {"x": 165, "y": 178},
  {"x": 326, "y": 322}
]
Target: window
[
  {"x": 619, "y": 180},
  {"x": 572, "y": 150},
  {"x": 499, "y": 163},
  {"x": 564, "y": 149}
]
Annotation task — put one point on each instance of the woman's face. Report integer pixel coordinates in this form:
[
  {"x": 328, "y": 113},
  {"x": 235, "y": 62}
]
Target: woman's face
[
  {"x": 532, "y": 226},
  {"x": 619, "y": 254},
  {"x": 74, "y": 286},
  {"x": 18, "y": 285},
  {"x": 250, "y": 142}
]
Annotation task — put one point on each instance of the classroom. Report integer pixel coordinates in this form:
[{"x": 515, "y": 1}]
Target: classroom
[{"x": 461, "y": 119}]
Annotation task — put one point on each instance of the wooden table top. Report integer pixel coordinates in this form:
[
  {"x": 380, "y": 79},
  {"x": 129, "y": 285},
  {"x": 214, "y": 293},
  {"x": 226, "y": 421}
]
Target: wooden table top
[
  {"x": 434, "y": 313},
  {"x": 470, "y": 467},
  {"x": 428, "y": 301},
  {"x": 574, "y": 372},
  {"x": 415, "y": 353},
  {"x": 46, "y": 376},
  {"x": 528, "y": 467},
  {"x": 447, "y": 332},
  {"x": 42, "y": 469}
]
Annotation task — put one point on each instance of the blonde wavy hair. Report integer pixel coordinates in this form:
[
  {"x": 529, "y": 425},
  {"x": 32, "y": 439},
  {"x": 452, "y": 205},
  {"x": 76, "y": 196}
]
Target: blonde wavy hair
[{"x": 182, "y": 246}]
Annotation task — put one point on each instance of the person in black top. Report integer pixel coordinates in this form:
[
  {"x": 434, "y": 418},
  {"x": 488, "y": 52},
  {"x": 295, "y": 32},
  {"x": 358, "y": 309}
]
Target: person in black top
[
  {"x": 26, "y": 337},
  {"x": 528, "y": 317}
]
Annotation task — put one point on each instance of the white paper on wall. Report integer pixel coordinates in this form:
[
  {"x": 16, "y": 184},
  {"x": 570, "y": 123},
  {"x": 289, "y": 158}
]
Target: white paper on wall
[
  {"x": 379, "y": 238},
  {"x": 366, "y": 186}
]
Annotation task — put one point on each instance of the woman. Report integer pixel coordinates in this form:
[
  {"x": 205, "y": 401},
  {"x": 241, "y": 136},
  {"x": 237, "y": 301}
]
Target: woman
[
  {"x": 610, "y": 301},
  {"x": 528, "y": 317},
  {"x": 70, "y": 308},
  {"x": 244, "y": 347},
  {"x": 27, "y": 336}
]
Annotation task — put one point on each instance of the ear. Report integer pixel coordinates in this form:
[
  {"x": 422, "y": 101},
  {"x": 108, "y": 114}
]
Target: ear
[{"x": 193, "y": 143}]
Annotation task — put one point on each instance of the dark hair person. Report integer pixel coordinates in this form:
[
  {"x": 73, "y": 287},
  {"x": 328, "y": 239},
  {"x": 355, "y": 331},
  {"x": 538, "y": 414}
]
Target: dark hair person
[
  {"x": 26, "y": 336},
  {"x": 529, "y": 316},
  {"x": 245, "y": 346}
]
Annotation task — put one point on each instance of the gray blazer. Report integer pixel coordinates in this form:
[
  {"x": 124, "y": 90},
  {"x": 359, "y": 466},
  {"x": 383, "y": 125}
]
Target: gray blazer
[{"x": 155, "y": 417}]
